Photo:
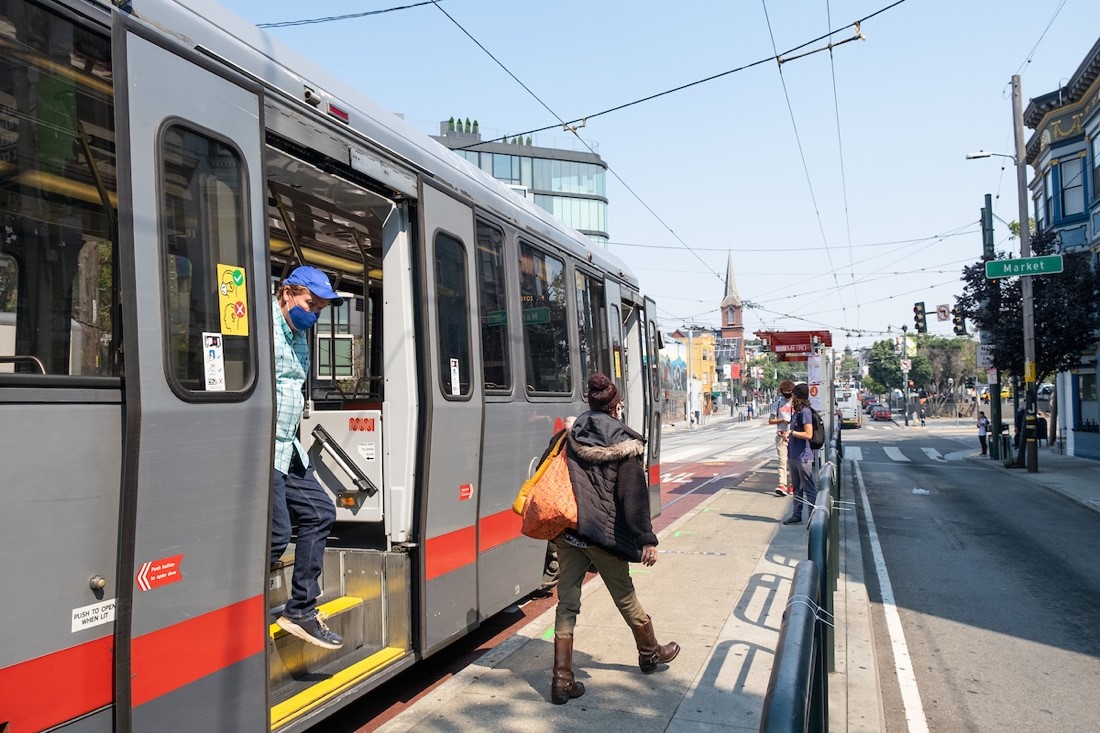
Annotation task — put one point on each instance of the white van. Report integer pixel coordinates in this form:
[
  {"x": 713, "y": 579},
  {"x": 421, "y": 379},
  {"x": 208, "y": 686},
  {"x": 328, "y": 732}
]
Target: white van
[{"x": 848, "y": 404}]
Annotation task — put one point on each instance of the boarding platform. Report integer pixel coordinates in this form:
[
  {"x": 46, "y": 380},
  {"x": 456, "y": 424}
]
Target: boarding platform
[{"x": 719, "y": 589}]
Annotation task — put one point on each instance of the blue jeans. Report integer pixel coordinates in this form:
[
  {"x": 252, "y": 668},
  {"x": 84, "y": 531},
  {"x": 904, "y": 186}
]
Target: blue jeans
[
  {"x": 300, "y": 500},
  {"x": 801, "y": 471}
]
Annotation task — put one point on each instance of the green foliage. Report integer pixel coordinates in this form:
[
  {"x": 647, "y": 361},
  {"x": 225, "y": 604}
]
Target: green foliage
[
  {"x": 1066, "y": 305},
  {"x": 475, "y": 127},
  {"x": 885, "y": 366},
  {"x": 468, "y": 126},
  {"x": 451, "y": 124},
  {"x": 873, "y": 387}
]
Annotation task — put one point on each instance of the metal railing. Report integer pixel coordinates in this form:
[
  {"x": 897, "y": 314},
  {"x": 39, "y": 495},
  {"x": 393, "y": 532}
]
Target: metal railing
[{"x": 797, "y": 700}]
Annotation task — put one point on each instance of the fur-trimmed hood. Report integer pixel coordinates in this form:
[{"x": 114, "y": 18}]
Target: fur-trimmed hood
[{"x": 596, "y": 437}]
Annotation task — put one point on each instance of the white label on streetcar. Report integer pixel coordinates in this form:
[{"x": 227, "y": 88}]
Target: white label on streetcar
[
  {"x": 96, "y": 614},
  {"x": 366, "y": 451},
  {"x": 456, "y": 387},
  {"x": 213, "y": 362}
]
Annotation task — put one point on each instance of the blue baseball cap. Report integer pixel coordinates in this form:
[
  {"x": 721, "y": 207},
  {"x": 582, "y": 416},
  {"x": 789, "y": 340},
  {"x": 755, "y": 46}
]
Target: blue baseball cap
[{"x": 316, "y": 281}]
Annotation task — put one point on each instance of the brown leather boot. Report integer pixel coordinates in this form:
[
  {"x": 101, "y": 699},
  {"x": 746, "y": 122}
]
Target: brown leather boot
[
  {"x": 563, "y": 687},
  {"x": 650, "y": 653}
]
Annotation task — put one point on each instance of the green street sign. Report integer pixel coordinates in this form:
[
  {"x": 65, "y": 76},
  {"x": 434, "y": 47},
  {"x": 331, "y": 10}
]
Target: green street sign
[
  {"x": 532, "y": 316},
  {"x": 1023, "y": 267}
]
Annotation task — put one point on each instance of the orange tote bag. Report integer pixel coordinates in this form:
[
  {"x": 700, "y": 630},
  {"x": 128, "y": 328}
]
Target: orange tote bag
[{"x": 551, "y": 505}]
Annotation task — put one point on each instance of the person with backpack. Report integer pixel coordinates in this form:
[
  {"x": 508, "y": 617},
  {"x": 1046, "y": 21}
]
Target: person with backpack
[{"x": 800, "y": 452}]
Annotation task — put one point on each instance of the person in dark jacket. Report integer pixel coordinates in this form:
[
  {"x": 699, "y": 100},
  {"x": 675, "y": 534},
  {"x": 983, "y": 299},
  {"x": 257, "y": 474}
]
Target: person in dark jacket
[{"x": 613, "y": 530}]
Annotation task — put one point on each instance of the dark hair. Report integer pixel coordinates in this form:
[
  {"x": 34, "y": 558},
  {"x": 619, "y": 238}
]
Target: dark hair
[
  {"x": 603, "y": 395},
  {"x": 785, "y": 387},
  {"x": 801, "y": 394}
]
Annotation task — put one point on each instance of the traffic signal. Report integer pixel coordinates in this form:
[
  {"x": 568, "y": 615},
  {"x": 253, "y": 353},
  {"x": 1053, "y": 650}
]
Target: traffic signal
[
  {"x": 970, "y": 382},
  {"x": 959, "y": 322},
  {"x": 920, "y": 322}
]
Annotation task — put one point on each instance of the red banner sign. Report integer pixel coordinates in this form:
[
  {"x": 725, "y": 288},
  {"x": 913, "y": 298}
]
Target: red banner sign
[{"x": 795, "y": 345}]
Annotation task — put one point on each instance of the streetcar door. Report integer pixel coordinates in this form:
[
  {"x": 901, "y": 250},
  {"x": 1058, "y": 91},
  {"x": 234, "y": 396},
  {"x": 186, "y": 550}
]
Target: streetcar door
[
  {"x": 60, "y": 386},
  {"x": 452, "y": 392},
  {"x": 655, "y": 400},
  {"x": 197, "y": 454}
]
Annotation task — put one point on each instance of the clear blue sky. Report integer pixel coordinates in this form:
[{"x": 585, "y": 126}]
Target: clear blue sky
[{"x": 719, "y": 163}]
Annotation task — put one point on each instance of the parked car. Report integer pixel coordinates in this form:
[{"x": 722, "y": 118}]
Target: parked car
[
  {"x": 881, "y": 412},
  {"x": 1046, "y": 390},
  {"x": 1006, "y": 393},
  {"x": 870, "y": 407}
]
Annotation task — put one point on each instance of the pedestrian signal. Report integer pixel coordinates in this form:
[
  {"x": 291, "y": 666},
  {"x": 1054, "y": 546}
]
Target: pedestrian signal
[
  {"x": 920, "y": 321},
  {"x": 959, "y": 323}
]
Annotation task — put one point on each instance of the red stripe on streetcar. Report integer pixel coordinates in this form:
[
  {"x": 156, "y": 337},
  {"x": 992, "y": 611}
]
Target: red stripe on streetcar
[
  {"x": 654, "y": 474},
  {"x": 449, "y": 552},
  {"x": 170, "y": 658},
  {"x": 42, "y": 692},
  {"x": 499, "y": 528}
]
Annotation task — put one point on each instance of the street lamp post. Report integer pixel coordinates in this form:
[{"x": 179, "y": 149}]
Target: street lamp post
[{"x": 1029, "y": 445}]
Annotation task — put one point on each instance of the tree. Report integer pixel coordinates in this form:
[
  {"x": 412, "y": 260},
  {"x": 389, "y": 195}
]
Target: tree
[
  {"x": 951, "y": 361},
  {"x": 885, "y": 366},
  {"x": 1066, "y": 305}
]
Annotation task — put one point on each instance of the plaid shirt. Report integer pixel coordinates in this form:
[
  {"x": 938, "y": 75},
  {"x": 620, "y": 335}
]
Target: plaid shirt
[{"x": 291, "y": 367}]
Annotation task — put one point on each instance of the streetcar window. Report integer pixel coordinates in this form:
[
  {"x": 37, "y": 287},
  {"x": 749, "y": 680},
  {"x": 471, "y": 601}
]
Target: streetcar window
[
  {"x": 57, "y": 199},
  {"x": 592, "y": 325},
  {"x": 452, "y": 315},
  {"x": 206, "y": 278},
  {"x": 496, "y": 367},
  {"x": 545, "y": 321}
]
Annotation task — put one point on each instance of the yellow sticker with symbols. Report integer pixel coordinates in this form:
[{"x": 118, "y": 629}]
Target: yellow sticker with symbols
[{"x": 233, "y": 300}]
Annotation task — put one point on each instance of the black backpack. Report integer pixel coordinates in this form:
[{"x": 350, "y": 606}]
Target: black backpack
[{"x": 817, "y": 442}]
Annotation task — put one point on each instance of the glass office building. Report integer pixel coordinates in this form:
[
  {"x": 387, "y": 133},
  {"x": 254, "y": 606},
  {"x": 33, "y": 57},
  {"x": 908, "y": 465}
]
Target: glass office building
[{"x": 570, "y": 184}]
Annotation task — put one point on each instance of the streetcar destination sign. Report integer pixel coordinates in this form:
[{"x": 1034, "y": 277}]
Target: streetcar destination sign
[{"x": 1023, "y": 266}]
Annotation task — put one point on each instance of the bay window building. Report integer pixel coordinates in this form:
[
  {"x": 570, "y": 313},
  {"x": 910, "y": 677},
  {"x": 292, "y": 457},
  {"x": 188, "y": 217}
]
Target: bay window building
[{"x": 1064, "y": 152}]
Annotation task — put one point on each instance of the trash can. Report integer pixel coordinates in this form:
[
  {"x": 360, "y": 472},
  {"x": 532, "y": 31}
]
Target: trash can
[{"x": 1006, "y": 445}]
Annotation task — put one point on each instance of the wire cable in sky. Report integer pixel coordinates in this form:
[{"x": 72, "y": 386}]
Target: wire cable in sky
[
  {"x": 953, "y": 232},
  {"x": 840, "y": 151},
  {"x": 583, "y": 141},
  {"x": 779, "y": 58},
  {"x": 1042, "y": 35},
  {"x": 332, "y": 18},
  {"x": 802, "y": 155}
]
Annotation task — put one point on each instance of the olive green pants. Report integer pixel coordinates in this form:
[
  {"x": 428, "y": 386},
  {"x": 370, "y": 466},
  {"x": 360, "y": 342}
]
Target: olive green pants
[{"x": 615, "y": 571}]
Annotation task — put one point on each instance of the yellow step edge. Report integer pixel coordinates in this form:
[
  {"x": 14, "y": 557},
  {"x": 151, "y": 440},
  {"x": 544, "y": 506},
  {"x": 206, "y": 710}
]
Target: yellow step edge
[
  {"x": 333, "y": 607},
  {"x": 321, "y": 692}
]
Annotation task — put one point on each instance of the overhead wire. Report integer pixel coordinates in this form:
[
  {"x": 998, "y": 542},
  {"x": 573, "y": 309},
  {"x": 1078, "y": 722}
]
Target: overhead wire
[
  {"x": 583, "y": 141},
  {"x": 785, "y": 56},
  {"x": 333, "y": 18},
  {"x": 802, "y": 156},
  {"x": 840, "y": 149}
]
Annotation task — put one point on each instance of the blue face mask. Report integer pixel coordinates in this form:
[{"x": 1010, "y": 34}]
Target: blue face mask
[{"x": 301, "y": 319}]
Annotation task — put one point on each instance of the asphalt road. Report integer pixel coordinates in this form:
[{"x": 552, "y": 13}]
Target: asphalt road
[{"x": 995, "y": 582}]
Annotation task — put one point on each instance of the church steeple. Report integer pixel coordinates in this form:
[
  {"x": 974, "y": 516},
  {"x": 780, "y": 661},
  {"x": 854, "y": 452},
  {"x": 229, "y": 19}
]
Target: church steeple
[{"x": 731, "y": 305}]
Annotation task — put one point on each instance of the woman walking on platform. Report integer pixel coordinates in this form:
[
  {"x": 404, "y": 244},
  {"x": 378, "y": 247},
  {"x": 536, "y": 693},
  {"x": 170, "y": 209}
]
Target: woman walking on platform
[{"x": 613, "y": 530}]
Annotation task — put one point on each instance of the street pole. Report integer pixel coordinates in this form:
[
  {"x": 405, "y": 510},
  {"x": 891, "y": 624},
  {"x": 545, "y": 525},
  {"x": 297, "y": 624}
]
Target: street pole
[
  {"x": 905, "y": 373},
  {"x": 1032, "y": 447},
  {"x": 994, "y": 430},
  {"x": 690, "y": 414}
]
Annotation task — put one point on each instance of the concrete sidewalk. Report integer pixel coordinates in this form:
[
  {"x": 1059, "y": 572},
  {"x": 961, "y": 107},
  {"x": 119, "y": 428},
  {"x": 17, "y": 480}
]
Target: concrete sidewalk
[
  {"x": 719, "y": 589},
  {"x": 1076, "y": 478}
]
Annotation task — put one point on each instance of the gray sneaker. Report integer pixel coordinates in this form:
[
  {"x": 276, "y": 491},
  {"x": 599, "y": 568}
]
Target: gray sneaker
[{"x": 311, "y": 629}]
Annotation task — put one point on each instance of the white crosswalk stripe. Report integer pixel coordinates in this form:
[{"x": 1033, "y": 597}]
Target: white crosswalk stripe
[
  {"x": 934, "y": 454},
  {"x": 853, "y": 453},
  {"x": 895, "y": 454}
]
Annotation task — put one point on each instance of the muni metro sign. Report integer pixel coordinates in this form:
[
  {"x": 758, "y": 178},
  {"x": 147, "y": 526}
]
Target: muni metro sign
[{"x": 1023, "y": 267}]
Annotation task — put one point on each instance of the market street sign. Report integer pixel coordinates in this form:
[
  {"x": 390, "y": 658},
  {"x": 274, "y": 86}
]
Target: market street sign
[{"x": 1023, "y": 266}]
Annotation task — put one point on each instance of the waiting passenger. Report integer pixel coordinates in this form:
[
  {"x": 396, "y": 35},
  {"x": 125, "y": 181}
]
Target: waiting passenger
[{"x": 613, "y": 530}]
